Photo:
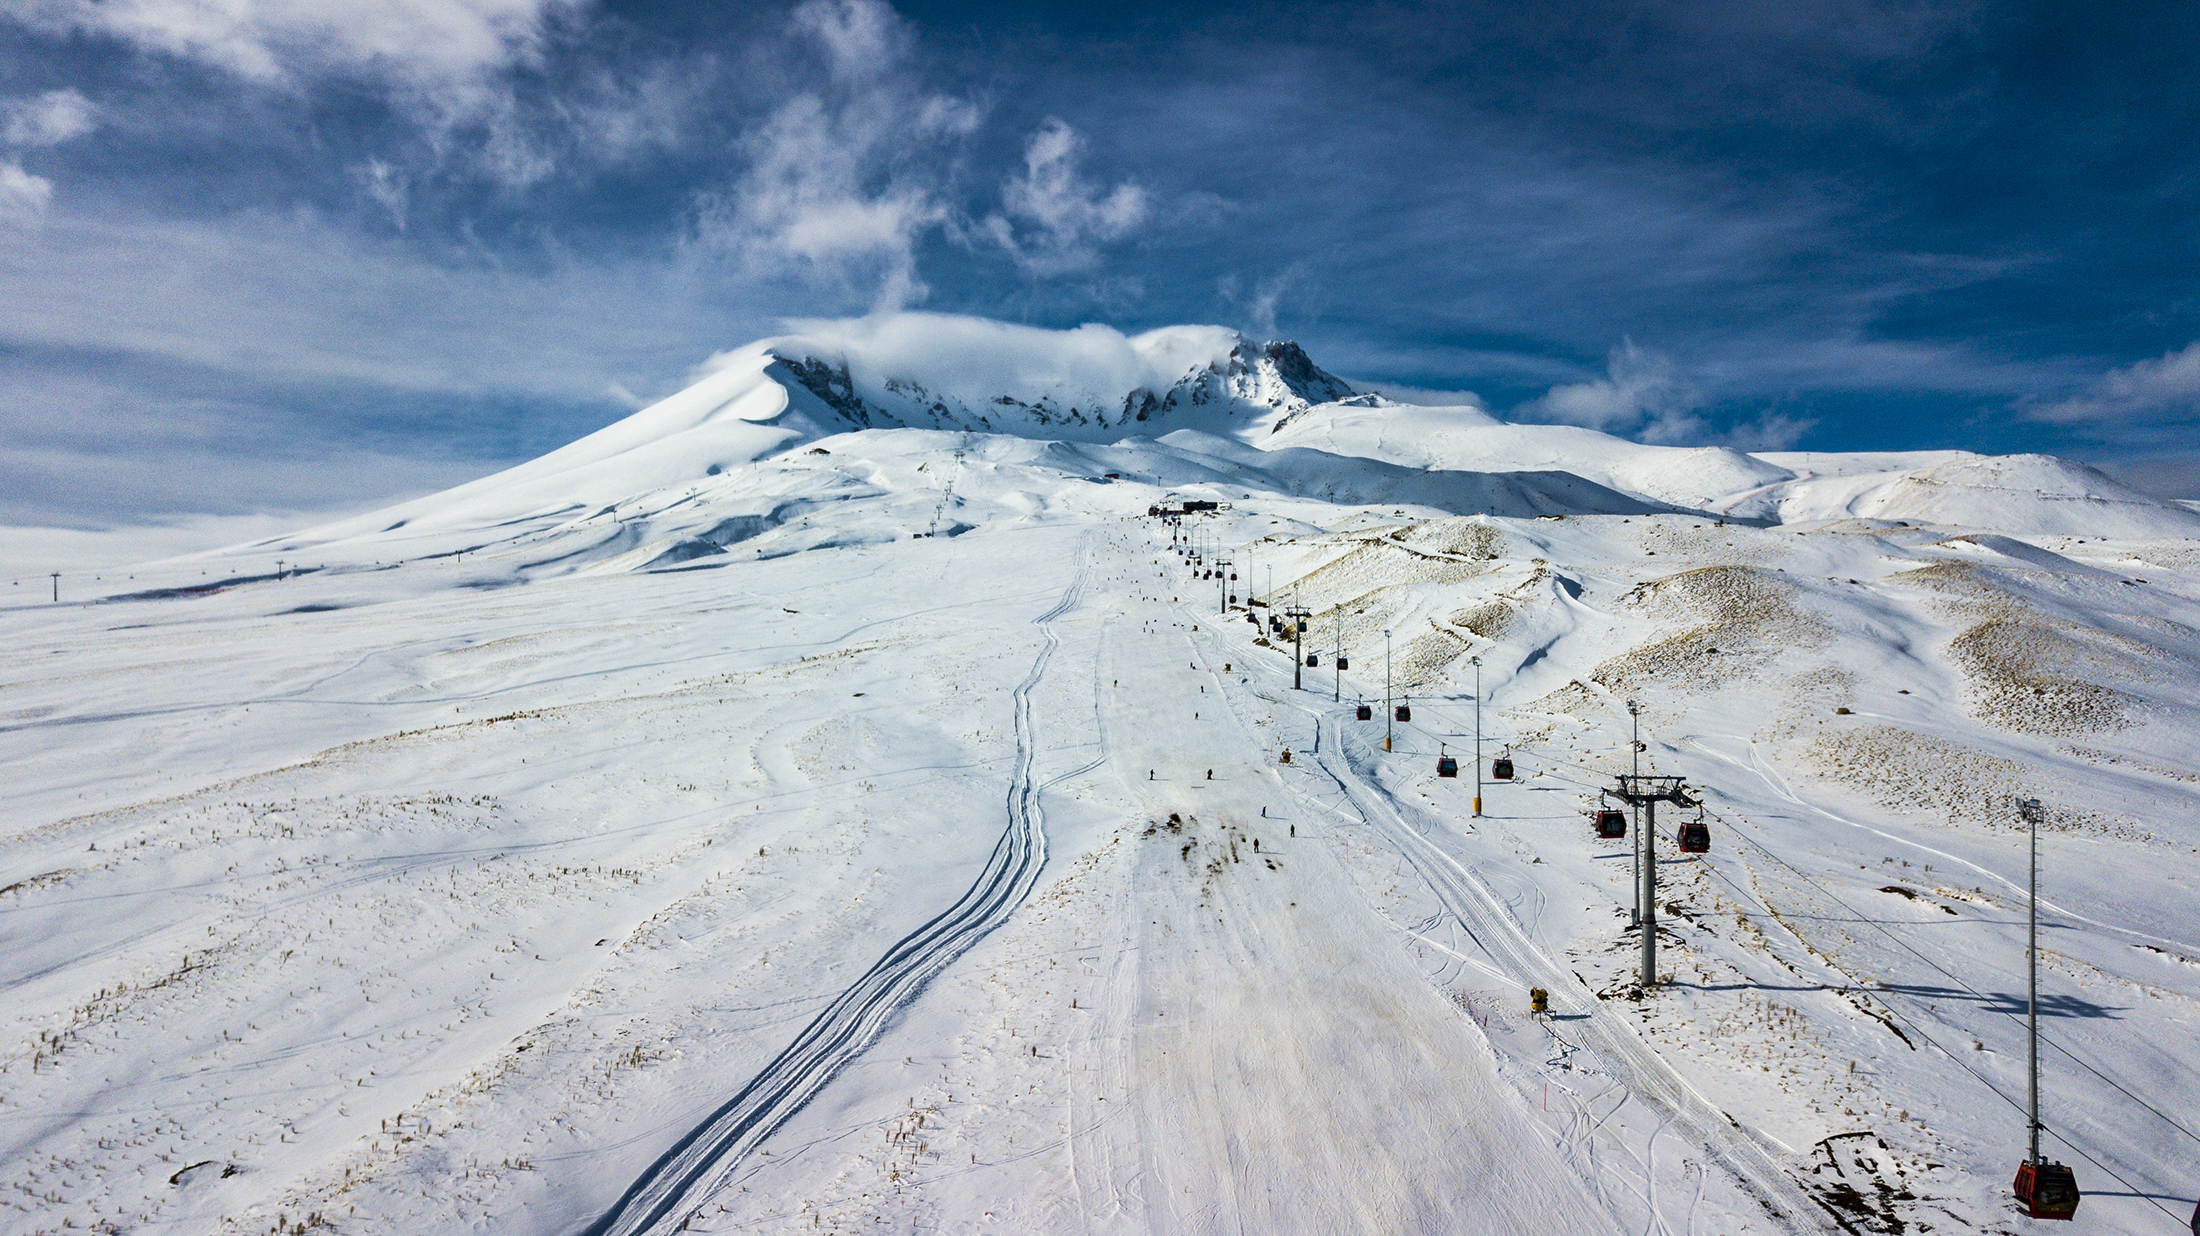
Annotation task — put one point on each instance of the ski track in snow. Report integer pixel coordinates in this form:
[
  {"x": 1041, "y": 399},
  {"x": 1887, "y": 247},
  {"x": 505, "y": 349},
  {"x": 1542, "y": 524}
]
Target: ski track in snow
[{"x": 684, "y": 1177}]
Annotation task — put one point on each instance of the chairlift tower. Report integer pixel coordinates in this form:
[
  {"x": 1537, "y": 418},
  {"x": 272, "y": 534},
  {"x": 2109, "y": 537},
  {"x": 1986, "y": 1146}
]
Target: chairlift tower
[
  {"x": 1297, "y": 618},
  {"x": 1478, "y": 736},
  {"x": 1336, "y": 658},
  {"x": 1222, "y": 585},
  {"x": 1646, "y": 792},
  {"x": 1389, "y": 713},
  {"x": 2045, "y": 1190},
  {"x": 947, "y": 494}
]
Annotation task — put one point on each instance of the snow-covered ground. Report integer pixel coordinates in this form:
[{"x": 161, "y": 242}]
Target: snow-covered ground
[{"x": 670, "y": 834}]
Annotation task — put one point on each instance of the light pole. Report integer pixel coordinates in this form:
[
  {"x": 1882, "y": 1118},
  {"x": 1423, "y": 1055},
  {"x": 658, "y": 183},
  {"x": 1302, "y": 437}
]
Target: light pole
[
  {"x": 1389, "y": 713},
  {"x": 1478, "y": 736}
]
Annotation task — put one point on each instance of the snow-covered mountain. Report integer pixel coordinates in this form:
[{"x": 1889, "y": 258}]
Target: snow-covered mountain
[{"x": 827, "y": 800}]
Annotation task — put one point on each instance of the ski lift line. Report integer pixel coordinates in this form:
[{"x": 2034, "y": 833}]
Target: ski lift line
[
  {"x": 2080, "y": 1152},
  {"x": 1779, "y": 787},
  {"x": 1919, "y": 1031},
  {"x": 1739, "y": 831},
  {"x": 1763, "y": 1179}
]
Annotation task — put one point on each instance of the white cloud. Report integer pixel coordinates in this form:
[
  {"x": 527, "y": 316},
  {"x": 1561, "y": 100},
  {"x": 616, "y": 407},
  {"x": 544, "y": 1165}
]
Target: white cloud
[
  {"x": 974, "y": 359},
  {"x": 836, "y": 182},
  {"x": 1061, "y": 213},
  {"x": 23, "y": 197},
  {"x": 425, "y": 43},
  {"x": 1422, "y": 396},
  {"x": 1643, "y": 394},
  {"x": 48, "y": 119},
  {"x": 386, "y": 185},
  {"x": 2162, "y": 389}
]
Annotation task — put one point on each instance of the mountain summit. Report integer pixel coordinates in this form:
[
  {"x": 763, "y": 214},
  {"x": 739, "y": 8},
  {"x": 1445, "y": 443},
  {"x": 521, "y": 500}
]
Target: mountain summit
[{"x": 925, "y": 371}]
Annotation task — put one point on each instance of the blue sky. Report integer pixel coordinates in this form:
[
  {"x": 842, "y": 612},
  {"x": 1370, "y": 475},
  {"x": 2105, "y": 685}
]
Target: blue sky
[{"x": 295, "y": 254}]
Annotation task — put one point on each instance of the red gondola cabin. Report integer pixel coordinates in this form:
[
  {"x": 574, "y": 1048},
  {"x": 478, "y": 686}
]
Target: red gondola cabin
[
  {"x": 1501, "y": 768},
  {"x": 1611, "y": 823},
  {"x": 1447, "y": 767},
  {"x": 1364, "y": 713},
  {"x": 2047, "y": 1190},
  {"x": 1405, "y": 712},
  {"x": 1694, "y": 837}
]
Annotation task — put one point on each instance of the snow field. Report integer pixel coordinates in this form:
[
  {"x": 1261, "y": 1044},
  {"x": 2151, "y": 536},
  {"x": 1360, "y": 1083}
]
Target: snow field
[{"x": 537, "y": 830}]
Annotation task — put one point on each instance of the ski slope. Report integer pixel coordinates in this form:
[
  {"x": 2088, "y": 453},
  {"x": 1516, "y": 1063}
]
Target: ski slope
[{"x": 668, "y": 834}]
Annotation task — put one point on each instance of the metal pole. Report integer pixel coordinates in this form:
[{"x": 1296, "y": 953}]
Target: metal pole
[
  {"x": 1389, "y": 713},
  {"x": 56, "y": 587},
  {"x": 1478, "y": 736},
  {"x": 1636, "y": 808},
  {"x": 1336, "y": 659},
  {"x": 1298, "y": 656},
  {"x": 2030, "y": 809},
  {"x": 1649, "y": 894}
]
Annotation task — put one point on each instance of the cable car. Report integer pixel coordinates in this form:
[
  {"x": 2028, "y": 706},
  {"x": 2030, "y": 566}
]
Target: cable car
[
  {"x": 1313, "y": 660},
  {"x": 2047, "y": 1190},
  {"x": 1364, "y": 713},
  {"x": 1501, "y": 768},
  {"x": 1611, "y": 823},
  {"x": 1405, "y": 712},
  {"x": 1344, "y": 663},
  {"x": 1694, "y": 837},
  {"x": 1253, "y": 618},
  {"x": 1446, "y": 766},
  {"x": 1233, "y": 575},
  {"x": 1233, "y": 601},
  {"x": 1302, "y": 626}
]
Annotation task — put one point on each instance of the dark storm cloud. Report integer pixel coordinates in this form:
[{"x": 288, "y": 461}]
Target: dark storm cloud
[{"x": 469, "y": 229}]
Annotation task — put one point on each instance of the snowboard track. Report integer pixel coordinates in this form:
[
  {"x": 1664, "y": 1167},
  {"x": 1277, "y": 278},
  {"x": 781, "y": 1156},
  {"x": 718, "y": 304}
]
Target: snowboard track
[{"x": 684, "y": 1177}]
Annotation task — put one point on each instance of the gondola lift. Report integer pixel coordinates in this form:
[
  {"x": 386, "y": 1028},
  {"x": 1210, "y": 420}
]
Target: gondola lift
[
  {"x": 1611, "y": 823},
  {"x": 1343, "y": 662},
  {"x": 1313, "y": 660},
  {"x": 1405, "y": 712},
  {"x": 1694, "y": 837},
  {"x": 1445, "y": 765},
  {"x": 1364, "y": 712},
  {"x": 1501, "y": 768},
  {"x": 2047, "y": 1190}
]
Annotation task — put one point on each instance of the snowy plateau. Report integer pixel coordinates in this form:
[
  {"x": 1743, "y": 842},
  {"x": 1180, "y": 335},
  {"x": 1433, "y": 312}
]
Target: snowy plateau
[{"x": 828, "y": 801}]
